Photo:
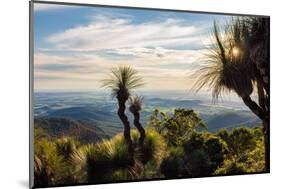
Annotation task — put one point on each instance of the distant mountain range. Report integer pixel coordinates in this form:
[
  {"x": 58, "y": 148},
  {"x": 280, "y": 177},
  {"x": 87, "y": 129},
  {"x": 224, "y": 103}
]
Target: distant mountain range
[
  {"x": 95, "y": 115},
  {"x": 231, "y": 120}
]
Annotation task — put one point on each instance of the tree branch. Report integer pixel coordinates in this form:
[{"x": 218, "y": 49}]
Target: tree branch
[{"x": 256, "y": 109}]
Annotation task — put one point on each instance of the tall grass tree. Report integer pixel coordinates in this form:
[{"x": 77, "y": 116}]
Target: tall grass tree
[
  {"x": 135, "y": 108},
  {"x": 121, "y": 81},
  {"x": 238, "y": 62}
]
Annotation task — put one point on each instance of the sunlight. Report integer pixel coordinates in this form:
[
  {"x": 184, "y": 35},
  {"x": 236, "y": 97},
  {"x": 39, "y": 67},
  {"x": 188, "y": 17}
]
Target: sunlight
[{"x": 235, "y": 51}]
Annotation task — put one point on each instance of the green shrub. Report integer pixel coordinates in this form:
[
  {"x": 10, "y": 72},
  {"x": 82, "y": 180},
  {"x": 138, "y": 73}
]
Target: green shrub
[
  {"x": 109, "y": 160},
  {"x": 130, "y": 173},
  {"x": 121, "y": 175},
  {"x": 258, "y": 132},
  {"x": 216, "y": 150},
  {"x": 198, "y": 163},
  {"x": 231, "y": 167},
  {"x": 49, "y": 166},
  {"x": 246, "y": 151},
  {"x": 154, "y": 148},
  {"x": 65, "y": 161},
  {"x": 255, "y": 161},
  {"x": 66, "y": 146},
  {"x": 204, "y": 153},
  {"x": 98, "y": 161},
  {"x": 172, "y": 166},
  {"x": 240, "y": 141}
]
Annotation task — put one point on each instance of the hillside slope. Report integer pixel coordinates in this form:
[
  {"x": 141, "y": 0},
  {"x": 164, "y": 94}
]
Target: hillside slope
[
  {"x": 58, "y": 127},
  {"x": 231, "y": 120}
]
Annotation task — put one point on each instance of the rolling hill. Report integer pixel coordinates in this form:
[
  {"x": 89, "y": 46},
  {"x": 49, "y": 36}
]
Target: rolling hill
[
  {"x": 58, "y": 127},
  {"x": 96, "y": 111},
  {"x": 230, "y": 120}
]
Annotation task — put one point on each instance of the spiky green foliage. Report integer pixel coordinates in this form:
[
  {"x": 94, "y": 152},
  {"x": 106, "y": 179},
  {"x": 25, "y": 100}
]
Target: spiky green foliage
[
  {"x": 109, "y": 159},
  {"x": 97, "y": 158},
  {"x": 227, "y": 64},
  {"x": 135, "y": 103},
  {"x": 203, "y": 154},
  {"x": 39, "y": 134},
  {"x": 259, "y": 48},
  {"x": 101, "y": 159},
  {"x": 66, "y": 146},
  {"x": 121, "y": 80},
  {"x": 154, "y": 147},
  {"x": 49, "y": 165},
  {"x": 239, "y": 62},
  {"x": 135, "y": 108}
]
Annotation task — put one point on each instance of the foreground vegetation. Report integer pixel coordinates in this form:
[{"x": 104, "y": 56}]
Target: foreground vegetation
[{"x": 166, "y": 152}]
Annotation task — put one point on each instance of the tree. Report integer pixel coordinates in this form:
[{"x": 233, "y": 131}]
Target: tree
[
  {"x": 176, "y": 128},
  {"x": 259, "y": 55},
  {"x": 239, "y": 63},
  {"x": 172, "y": 166},
  {"x": 121, "y": 81},
  {"x": 205, "y": 152},
  {"x": 135, "y": 107},
  {"x": 240, "y": 141}
]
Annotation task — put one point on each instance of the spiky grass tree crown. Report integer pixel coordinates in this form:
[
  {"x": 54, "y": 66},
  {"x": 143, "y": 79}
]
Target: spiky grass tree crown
[
  {"x": 228, "y": 64},
  {"x": 135, "y": 103},
  {"x": 121, "y": 80}
]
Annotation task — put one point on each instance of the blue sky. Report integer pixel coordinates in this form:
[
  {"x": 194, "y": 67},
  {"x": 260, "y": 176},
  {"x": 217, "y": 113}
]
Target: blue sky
[{"x": 76, "y": 46}]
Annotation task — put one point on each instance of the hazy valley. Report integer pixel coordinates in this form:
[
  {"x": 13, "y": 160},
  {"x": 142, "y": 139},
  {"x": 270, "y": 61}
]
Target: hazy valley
[{"x": 95, "y": 112}]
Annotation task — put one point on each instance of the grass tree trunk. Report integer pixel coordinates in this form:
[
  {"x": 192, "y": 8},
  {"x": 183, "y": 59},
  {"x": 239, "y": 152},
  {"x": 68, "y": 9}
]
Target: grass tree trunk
[
  {"x": 139, "y": 127},
  {"x": 262, "y": 114},
  {"x": 126, "y": 123},
  {"x": 264, "y": 104},
  {"x": 266, "y": 145}
]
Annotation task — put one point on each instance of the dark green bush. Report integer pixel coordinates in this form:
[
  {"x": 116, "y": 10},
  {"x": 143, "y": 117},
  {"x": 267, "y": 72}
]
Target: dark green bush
[
  {"x": 231, "y": 167},
  {"x": 240, "y": 141},
  {"x": 173, "y": 165},
  {"x": 205, "y": 152},
  {"x": 198, "y": 163}
]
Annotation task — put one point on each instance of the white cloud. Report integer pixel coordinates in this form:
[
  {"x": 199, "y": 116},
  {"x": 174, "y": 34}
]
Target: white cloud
[
  {"x": 50, "y": 7},
  {"x": 172, "y": 70},
  {"x": 153, "y": 48},
  {"x": 114, "y": 33}
]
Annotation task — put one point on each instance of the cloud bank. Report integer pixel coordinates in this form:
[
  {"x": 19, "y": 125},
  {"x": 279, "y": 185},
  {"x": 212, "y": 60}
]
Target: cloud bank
[{"x": 164, "y": 52}]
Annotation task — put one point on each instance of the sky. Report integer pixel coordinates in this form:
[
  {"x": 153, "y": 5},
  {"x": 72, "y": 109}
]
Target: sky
[{"x": 75, "y": 47}]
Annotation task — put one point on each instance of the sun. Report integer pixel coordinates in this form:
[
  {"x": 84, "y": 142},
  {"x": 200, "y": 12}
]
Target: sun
[{"x": 235, "y": 51}]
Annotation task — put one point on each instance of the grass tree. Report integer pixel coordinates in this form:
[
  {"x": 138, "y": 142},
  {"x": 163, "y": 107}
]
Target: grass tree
[
  {"x": 135, "y": 107},
  {"x": 235, "y": 63},
  {"x": 259, "y": 57},
  {"x": 121, "y": 81}
]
